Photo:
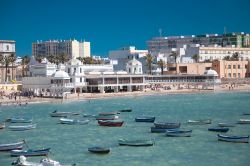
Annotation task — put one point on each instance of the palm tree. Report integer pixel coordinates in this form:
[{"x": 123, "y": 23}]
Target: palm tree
[
  {"x": 51, "y": 59},
  {"x": 175, "y": 55},
  {"x": 196, "y": 57},
  {"x": 25, "y": 62},
  {"x": 89, "y": 60},
  {"x": 235, "y": 56},
  {"x": 227, "y": 58},
  {"x": 161, "y": 64},
  {"x": 149, "y": 59},
  {"x": 5, "y": 60},
  {"x": 12, "y": 59},
  {"x": 39, "y": 58},
  {"x": 62, "y": 58}
]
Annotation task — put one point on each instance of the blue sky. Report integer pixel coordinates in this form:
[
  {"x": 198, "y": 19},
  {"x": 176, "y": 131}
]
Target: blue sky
[{"x": 112, "y": 24}]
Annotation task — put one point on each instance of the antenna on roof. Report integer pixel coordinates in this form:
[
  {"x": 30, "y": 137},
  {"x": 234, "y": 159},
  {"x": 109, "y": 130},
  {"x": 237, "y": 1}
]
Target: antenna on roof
[
  {"x": 225, "y": 29},
  {"x": 160, "y": 32}
]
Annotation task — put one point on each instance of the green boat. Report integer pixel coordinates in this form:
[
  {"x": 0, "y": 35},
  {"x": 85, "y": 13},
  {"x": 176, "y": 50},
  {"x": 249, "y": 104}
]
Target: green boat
[{"x": 124, "y": 142}]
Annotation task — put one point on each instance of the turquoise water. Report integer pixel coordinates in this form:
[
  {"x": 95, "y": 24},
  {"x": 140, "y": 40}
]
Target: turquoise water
[{"x": 69, "y": 143}]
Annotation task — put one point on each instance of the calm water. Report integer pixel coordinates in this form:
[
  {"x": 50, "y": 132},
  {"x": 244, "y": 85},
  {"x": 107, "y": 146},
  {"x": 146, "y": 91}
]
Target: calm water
[{"x": 69, "y": 143}]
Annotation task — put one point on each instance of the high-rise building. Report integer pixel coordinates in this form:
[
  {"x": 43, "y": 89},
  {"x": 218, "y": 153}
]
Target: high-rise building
[
  {"x": 72, "y": 48},
  {"x": 158, "y": 44}
]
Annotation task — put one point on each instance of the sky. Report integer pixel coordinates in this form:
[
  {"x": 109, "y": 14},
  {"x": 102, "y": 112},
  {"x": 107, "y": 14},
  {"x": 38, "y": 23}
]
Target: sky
[{"x": 112, "y": 24}]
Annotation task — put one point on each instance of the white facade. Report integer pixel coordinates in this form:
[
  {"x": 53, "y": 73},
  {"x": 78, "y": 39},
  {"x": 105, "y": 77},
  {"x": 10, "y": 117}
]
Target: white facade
[
  {"x": 72, "y": 48},
  {"x": 134, "y": 67},
  {"x": 7, "y": 47}
]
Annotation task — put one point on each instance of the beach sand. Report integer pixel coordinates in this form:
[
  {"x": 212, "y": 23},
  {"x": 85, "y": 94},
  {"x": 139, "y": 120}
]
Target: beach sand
[{"x": 89, "y": 96}]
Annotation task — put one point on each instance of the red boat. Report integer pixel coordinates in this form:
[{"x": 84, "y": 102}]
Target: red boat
[{"x": 110, "y": 123}]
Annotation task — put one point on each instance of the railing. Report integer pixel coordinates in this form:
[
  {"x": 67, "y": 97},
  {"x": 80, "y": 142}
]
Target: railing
[{"x": 66, "y": 85}]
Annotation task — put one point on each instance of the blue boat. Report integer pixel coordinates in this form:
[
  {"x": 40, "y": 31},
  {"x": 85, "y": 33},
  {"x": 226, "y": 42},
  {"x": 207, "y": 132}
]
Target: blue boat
[
  {"x": 30, "y": 152},
  {"x": 123, "y": 142},
  {"x": 178, "y": 133},
  {"x": 99, "y": 150},
  {"x": 219, "y": 129},
  {"x": 149, "y": 119},
  {"x": 165, "y": 125},
  {"x": 11, "y": 146},
  {"x": 236, "y": 139},
  {"x": 158, "y": 130},
  {"x": 19, "y": 120}
]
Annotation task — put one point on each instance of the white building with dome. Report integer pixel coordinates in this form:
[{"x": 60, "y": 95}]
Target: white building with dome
[{"x": 134, "y": 67}]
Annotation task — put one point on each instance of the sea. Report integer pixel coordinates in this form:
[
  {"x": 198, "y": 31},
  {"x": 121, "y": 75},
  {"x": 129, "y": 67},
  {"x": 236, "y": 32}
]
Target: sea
[{"x": 69, "y": 143}]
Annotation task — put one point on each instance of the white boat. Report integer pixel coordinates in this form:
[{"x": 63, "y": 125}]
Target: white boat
[
  {"x": 244, "y": 121},
  {"x": 11, "y": 146},
  {"x": 22, "y": 128},
  {"x": 200, "y": 122},
  {"x": 226, "y": 125},
  {"x": 178, "y": 133},
  {"x": 21, "y": 161},
  {"x": 73, "y": 121},
  {"x": 236, "y": 139}
]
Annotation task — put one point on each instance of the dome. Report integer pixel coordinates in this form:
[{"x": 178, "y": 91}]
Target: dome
[
  {"x": 60, "y": 75},
  {"x": 211, "y": 72},
  {"x": 134, "y": 62},
  {"x": 74, "y": 62}
]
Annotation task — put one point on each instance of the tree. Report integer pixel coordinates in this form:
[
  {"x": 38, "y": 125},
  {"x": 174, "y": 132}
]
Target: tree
[
  {"x": 39, "y": 58},
  {"x": 161, "y": 64},
  {"x": 149, "y": 59},
  {"x": 62, "y": 58},
  {"x": 25, "y": 62},
  {"x": 227, "y": 58},
  {"x": 12, "y": 59},
  {"x": 5, "y": 61},
  {"x": 175, "y": 55},
  {"x": 51, "y": 59},
  {"x": 196, "y": 57},
  {"x": 235, "y": 56}
]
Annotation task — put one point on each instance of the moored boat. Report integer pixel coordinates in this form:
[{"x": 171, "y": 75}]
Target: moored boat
[
  {"x": 200, "y": 122},
  {"x": 2, "y": 126},
  {"x": 178, "y": 133},
  {"x": 11, "y": 146},
  {"x": 149, "y": 119},
  {"x": 125, "y": 110},
  {"x": 246, "y": 113},
  {"x": 110, "y": 123},
  {"x": 167, "y": 125},
  {"x": 22, "y": 128},
  {"x": 236, "y": 139},
  {"x": 158, "y": 130},
  {"x": 108, "y": 113},
  {"x": 73, "y": 121},
  {"x": 219, "y": 129},
  {"x": 107, "y": 117},
  {"x": 226, "y": 125},
  {"x": 22, "y": 161},
  {"x": 244, "y": 121},
  {"x": 99, "y": 150},
  {"x": 29, "y": 152},
  {"x": 19, "y": 120},
  {"x": 145, "y": 142},
  {"x": 62, "y": 114}
]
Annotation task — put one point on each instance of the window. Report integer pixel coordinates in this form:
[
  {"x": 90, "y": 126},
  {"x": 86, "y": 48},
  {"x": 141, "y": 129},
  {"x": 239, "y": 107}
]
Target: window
[
  {"x": 80, "y": 79},
  {"x": 229, "y": 75},
  {"x": 238, "y": 66},
  {"x": 80, "y": 70},
  {"x": 245, "y": 66},
  {"x": 68, "y": 70},
  {"x": 234, "y": 75},
  {"x": 238, "y": 75},
  {"x": 234, "y": 66},
  {"x": 70, "y": 79},
  {"x": 229, "y": 66}
]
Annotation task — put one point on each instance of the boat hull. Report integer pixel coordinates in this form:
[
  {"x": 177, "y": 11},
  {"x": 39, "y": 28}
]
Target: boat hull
[
  {"x": 167, "y": 125},
  {"x": 200, "y": 122},
  {"x": 73, "y": 121},
  {"x": 19, "y": 120},
  {"x": 145, "y": 119},
  {"x": 244, "y": 121},
  {"x": 12, "y": 146},
  {"x": 218, "y": 129},
  {"x": 178, "y": 133},
  {"x": 110, "y": 123},
  {"x": 22, "y": 128},
  {"x": 136, "y": 143},
  {"x": 29, "y": 153},
  {"x": 234, "y": 139},
  {"x": 99, "y": 150}
]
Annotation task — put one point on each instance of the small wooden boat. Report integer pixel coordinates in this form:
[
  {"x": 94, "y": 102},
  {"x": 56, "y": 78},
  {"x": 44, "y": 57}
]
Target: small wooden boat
[
  {"x": 226, "y": 125},
  {"x": 244, "y": 121},
  {"x": 149, "y": 119},
  {"x": 110, "y": 123},
  {"x": 219, "y": 129},
  {"x": 2, "y": 126},
  {"x": 29, "y": 152},
  {"x": 108, "y": 117},
  {"x": 200, "y": 122},
  {"x": 108, "y": 113},
  {"x": 22, "y": 161},
  {"x": 178, "y": 133},
  {"x": 19, "y": 120},
  {"x": 246, "y": 113},
  {"x": 167, "y": 125},
  {"x": 99, "y": 150},
  {"x": 158, "y": 130},
  {"x": 73, "y": 121},
  {"x": 11, "y": 146},
  {"x": 62, "y": 114},
  {"x": 124, "y": 142},
  {"x": 236, "y": 139},
  {"x": 125, "y": 110},
  {"x": 22, "y": 128}
]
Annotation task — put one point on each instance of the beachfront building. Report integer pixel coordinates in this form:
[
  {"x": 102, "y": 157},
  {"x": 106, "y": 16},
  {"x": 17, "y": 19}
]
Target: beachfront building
[
  {"x": 232, "y": 69},
  {"x": 7, "y": 48},
  {"x": 121, "y": 57},
  {"x": 187, "y": 68},
  {"x": 157, "y": 44},
  {"x": 71, "y": 48},
  {"x": 134, "y": 67}
]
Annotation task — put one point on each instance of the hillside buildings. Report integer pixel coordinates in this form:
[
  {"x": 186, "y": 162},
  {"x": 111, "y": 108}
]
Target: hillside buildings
[{"x": 72, "y": 48}]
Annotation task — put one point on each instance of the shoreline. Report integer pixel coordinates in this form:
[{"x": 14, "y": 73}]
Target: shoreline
[{"x": 96, "y": 96}]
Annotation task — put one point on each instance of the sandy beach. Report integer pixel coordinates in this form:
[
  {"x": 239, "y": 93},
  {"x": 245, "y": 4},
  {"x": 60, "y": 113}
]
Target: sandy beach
[{"x": 228, "y": 88}]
